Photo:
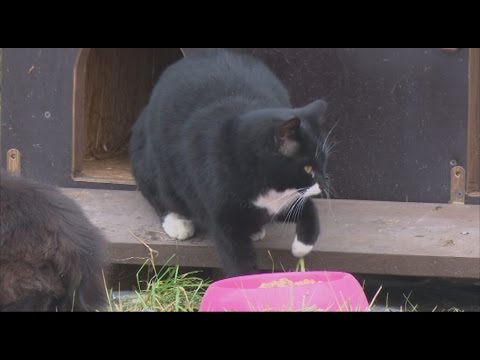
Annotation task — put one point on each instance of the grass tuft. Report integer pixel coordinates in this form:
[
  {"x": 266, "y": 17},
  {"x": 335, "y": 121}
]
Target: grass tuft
[{"x": 166, "y": 290}]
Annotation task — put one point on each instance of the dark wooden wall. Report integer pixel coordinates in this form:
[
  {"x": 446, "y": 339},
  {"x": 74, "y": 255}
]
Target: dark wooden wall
[
  {"x": 402, "y": 114},
  {"x": 37, "y": 98}
]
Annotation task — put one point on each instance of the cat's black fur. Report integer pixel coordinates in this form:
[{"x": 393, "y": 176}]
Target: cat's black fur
[
  {"x": 51, "y": 256},
  {"x": 219, "y": 130}
]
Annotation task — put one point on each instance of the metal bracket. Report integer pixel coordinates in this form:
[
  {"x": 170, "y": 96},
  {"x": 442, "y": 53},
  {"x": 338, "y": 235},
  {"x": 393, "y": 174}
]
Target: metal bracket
[
  {"x": 14, "y": 162},
  {"x": 457, "y": 185}
]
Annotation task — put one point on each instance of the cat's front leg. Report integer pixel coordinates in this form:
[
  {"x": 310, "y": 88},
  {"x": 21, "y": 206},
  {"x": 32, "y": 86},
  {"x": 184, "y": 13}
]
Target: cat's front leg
[
  {"x": 259, "y": 235},
  {"x": 308, "y": 229}
]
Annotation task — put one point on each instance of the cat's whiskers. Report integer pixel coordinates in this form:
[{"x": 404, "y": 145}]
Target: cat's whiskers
[
  {"x": 329, "y": 190},
  {"x": 328, "y": 150},
  {"x": 325, "y": 142},
  {"x": 290, "y": 212},
  {"x": 291, "y": 197},
  {"x": 317, "y": 148},
  {"x": 295, "y": 210},
  {"x": 285, "y": 205},
  {"x": 291, "y": 193},
  {"x": 300, "y": 207},
  {"x": 287, "y": 201}
]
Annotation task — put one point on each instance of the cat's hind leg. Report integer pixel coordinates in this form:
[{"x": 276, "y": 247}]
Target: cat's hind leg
[
  {"x": 142, "y": 166},
  {"x": 234, "y": 226},
  {"x": 177, "y": 222}
]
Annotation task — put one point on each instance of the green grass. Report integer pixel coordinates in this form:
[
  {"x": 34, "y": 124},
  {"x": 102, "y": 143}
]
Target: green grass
[
  {"x": 407, "y": 306},
  {"x": 167, "y": 290}
]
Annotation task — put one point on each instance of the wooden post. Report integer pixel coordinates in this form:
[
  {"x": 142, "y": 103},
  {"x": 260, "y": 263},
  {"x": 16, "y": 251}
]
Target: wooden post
[{"x": 473, "y": 142}]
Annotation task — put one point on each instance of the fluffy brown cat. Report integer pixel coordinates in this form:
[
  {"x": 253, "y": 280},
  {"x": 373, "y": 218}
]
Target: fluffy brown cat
[{"x": 51, "y": 256}]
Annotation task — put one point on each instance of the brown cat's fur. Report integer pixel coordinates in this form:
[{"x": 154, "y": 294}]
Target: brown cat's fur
[{"x": 51, "y": 256}]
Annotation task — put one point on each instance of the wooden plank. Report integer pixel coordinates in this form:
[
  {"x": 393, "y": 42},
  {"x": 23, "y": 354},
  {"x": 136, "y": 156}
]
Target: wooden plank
[
  {"x": 376, "y": 237},
  {"x": 112, "y": 170},
  {"x": 118, "y": 84},
  {"x": 78, "y": 109},
  {"x": 473, "y": 142}
]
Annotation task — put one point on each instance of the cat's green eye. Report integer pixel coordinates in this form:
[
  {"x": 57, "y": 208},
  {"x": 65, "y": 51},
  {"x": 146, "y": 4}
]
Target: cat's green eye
[{"x": 308, "y": 169}]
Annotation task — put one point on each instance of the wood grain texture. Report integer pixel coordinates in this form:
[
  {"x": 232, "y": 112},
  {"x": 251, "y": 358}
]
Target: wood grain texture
[
  {"x": 111, "y": 87},
  {"x": 473, "y": 143},
  {"x": 357, "y": 236},
  {"x": 118, "y": 84},
  {"x": 113, "y": 170}
]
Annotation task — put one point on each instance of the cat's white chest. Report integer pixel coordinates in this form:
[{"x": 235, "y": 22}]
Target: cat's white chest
[{"x": 274, "y": 201}]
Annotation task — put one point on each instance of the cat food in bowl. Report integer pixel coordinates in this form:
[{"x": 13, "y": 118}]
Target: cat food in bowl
[{"x": 294, "y": 291}]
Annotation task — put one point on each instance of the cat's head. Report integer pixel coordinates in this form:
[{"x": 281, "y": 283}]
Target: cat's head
[{"x": 298, "y": 152}]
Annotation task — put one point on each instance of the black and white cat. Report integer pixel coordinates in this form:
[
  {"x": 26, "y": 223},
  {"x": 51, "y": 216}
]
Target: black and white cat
[
  {"x": 51, "y": 256},
  {"x": 220, "y": 147}
]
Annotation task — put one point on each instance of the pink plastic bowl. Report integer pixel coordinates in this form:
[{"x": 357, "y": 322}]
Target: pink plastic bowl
[{"x": 332, "y": 291}]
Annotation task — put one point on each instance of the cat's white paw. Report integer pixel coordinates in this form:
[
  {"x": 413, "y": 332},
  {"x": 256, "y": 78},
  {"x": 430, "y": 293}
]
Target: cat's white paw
[
  {"x": 300, "y": 249},
  {"x": 177, "y": 227},
  {"x": 259, "y": 235}
]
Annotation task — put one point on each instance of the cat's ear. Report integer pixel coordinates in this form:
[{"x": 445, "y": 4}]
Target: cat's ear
[
  {"x": 315, "y": 112},
  {"x": 285, "y": 136}
]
